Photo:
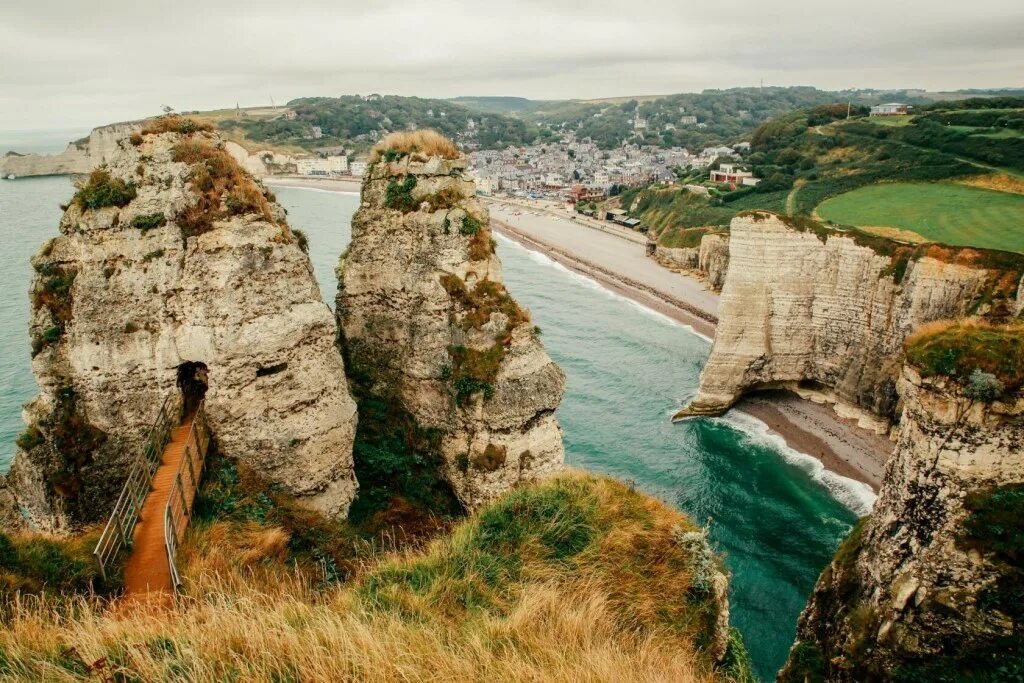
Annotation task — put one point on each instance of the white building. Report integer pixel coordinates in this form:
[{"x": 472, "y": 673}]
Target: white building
[
  {"x": 357, "y": 168},
  {"x": 334, "y": 165}
]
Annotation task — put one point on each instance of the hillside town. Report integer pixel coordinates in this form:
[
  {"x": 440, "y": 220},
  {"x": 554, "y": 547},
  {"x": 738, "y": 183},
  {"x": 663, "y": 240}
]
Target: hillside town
[{"x": 578, "y": 170}]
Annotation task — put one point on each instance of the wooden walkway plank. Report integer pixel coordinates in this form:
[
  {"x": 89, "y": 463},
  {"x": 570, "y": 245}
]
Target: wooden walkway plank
[{"x": 147, "y": 571}]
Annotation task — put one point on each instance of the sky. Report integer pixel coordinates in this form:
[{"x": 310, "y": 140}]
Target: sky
[{"x": 68, "y": 63}]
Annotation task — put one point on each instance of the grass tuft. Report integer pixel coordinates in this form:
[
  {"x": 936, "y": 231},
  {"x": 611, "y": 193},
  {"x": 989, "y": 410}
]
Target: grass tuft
[{"x": 424, "y": 142}]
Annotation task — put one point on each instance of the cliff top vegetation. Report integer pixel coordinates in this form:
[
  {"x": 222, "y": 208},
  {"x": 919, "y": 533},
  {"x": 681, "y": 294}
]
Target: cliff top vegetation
[
  {"x": 576, "y": 578},
  {"x": 807, "y": 157},
  {"x": 961, "y": 348},
  {"x": 426, "y": 142}
]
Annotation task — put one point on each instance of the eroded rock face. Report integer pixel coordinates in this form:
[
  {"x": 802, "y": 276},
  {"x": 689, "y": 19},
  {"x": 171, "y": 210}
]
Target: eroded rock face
[
  {"x": 824, "y": 310},
  {"x": 709, "y": 260},
  {"x": 918, "y": 585},
  {"x": 126, "y": 295},
  {"x": 424, "y": 312},
  {"x": 80, "y": 157}
]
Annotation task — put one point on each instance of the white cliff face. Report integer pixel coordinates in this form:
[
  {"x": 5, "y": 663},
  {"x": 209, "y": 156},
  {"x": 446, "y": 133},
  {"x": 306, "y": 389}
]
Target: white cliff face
[
  {"x": 422, "y": 308},
  {"x": 79, "y": 157},
  {"x": 826, "y": 311},
  {"x": 239, "y": 298},
  {"x": 911, "y": 585},
  {"x": 709, "y": 260}
]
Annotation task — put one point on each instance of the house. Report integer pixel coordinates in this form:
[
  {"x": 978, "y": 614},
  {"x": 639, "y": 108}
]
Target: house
[
  {"x": 687, "y": 120},
  {"x": 357, "y": 168},
  {"x": 732, "y": 175},
  {"x": 333, "y": 165},
  {"x": 890, "y": 109}
]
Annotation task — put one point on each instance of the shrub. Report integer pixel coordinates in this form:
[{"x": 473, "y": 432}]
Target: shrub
[
  {"x": 491, "y": 459},
  {"x": 172, "y": 123},
  {"x": 216, "y": 174},
  {"x": 31, "y": 438},
  {"x": 149, "y": 222},
  {"x": 398, "y": 195},
  {"x": 983, "y": 386},
  {"x": 155, "y": 254},
  {"x": 102, "y": 190},
  {"x": 470, "y": 225},
  {"x": 425, "y": 142},
  {"x": 301, "y": 239},
  {"x": 473, "y": 371}
]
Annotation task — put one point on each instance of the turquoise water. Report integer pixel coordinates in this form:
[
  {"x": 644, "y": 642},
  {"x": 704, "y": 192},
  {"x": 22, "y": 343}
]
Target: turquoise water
[{"x": 627, "y": 368}]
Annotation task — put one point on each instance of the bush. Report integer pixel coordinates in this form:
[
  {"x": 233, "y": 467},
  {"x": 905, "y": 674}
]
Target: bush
[
  {"x": 32, "y": 563},
  {"x": 983, "y": 386},
  {"x": 102, "y": 190},
  {"x": 398, "y": 195},
  {"x": 149, "y": 222},
  {"x": 172, "y": 123}
]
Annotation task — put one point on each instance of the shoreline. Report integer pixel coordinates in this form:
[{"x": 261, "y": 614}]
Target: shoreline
[
  {"x": 813, "y": 429},
  {"x": 810, "y": 428},
  {"x": 341, "y": 185}
]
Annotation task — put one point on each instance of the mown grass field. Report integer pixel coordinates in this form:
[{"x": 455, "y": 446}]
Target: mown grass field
[{"x": 942, "y": 212}]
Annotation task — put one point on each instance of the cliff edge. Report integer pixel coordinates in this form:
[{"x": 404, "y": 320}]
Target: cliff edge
[
  {"x": 928, "y": 587},
  {"x": 819, "y": 309}
]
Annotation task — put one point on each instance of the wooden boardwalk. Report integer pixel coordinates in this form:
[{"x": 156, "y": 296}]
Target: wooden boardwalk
[{"x": 148, "y": 572}]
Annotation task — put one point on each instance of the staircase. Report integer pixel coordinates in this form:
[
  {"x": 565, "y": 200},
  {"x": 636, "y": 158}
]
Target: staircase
[{"x": 155, "y": 506}]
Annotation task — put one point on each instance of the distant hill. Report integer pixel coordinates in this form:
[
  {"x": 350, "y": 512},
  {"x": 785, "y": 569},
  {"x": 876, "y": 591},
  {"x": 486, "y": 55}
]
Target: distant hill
[
  {"x": 357, "y": 122},
  {"x": 953, "y": 172},
  {"x": 501, "y": 105}
]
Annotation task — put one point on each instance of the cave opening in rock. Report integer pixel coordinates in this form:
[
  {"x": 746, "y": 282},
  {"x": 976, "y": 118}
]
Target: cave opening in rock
[{"x": 193, "y": 382}]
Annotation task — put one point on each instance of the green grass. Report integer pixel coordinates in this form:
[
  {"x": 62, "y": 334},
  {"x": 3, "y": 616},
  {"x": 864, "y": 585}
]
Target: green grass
[
  {"x": 943, "y": 212},
  {"x": 891, "y": 120}
]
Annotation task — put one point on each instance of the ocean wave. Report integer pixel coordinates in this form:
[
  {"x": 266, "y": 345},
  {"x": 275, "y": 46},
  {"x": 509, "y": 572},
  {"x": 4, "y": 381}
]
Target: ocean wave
[
  {"x": 855, "y": 495},
  {"x": 591, "y": 283}
]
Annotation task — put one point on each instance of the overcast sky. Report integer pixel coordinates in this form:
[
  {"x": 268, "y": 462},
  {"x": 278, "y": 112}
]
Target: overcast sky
[{"x": 69, "y": 63}]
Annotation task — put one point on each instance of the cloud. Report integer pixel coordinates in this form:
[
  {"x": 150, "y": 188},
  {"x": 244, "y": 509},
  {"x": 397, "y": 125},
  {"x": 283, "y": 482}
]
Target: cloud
[{"x": 68, "y": 63}]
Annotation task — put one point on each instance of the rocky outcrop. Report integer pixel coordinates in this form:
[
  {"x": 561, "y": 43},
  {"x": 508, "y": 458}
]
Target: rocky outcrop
[
  {"x": 174, "y": 261},
  {"x": 806, "y": 305},
  {"x": 424, "y": 313},
  {"x": 713, "y": 259},
  {"x": 709, "y": 260},
  {"x": 930, "y": 583},
  {"x": 80, "y": 156}
]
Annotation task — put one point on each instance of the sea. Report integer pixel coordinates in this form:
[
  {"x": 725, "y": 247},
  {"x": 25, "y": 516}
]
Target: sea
[{"x": 774, "y": 514}]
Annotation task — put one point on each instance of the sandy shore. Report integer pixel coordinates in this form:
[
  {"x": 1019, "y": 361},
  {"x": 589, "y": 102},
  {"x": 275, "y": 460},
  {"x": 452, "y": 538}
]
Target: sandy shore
[
  {"x": 623, "y": 266},
  {"x": 311, "y": 183}
]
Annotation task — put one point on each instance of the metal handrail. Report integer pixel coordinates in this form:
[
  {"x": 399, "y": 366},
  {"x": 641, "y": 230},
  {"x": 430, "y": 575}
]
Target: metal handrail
[
  {"x": 178, "y": 510},
  {"x": 117, "y": 533}
]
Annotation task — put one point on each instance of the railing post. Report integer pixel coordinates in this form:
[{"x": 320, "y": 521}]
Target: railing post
[{"x": 184, "y": 505}]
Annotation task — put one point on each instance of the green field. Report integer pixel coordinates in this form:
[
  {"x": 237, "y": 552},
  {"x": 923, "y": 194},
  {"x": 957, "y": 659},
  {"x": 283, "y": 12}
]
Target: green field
[{"x": 940, "y": 212}]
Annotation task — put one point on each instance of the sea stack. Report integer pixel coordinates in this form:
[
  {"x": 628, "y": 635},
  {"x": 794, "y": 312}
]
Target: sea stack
[
  {"x": 929, "y": 586},
  {"x": 175, "y": 271},
  {"x": 425, "y": 315}
]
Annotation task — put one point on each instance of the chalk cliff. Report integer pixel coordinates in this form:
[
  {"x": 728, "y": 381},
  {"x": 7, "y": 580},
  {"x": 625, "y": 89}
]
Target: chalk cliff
[
  {"x": 928, "y": 587},
  {"x": 80, "y": 156},
  {"x": 172, "y": 258},
  {"x": 804, "y": 305},
  {"x": 709, "y": 260},
  {"x": 424, "y": 312}
]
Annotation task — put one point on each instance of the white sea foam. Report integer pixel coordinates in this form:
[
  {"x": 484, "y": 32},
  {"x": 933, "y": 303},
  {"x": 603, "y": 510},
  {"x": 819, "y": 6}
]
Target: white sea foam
[
  {"x": 856, "y": 495},
  {"x": 591, "y": 283}
]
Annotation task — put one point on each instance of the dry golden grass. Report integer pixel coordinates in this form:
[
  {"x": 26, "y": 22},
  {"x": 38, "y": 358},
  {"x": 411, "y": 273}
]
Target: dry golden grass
[
  {"x": 896, "y": 234},
  {"x": 223, "y": 186},
  {"x": 580, "y": 579},
  {"x": 173, "y": 123},
  {"x": 425, "y": 142},
  {"x": 1000, "y": 182}
]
